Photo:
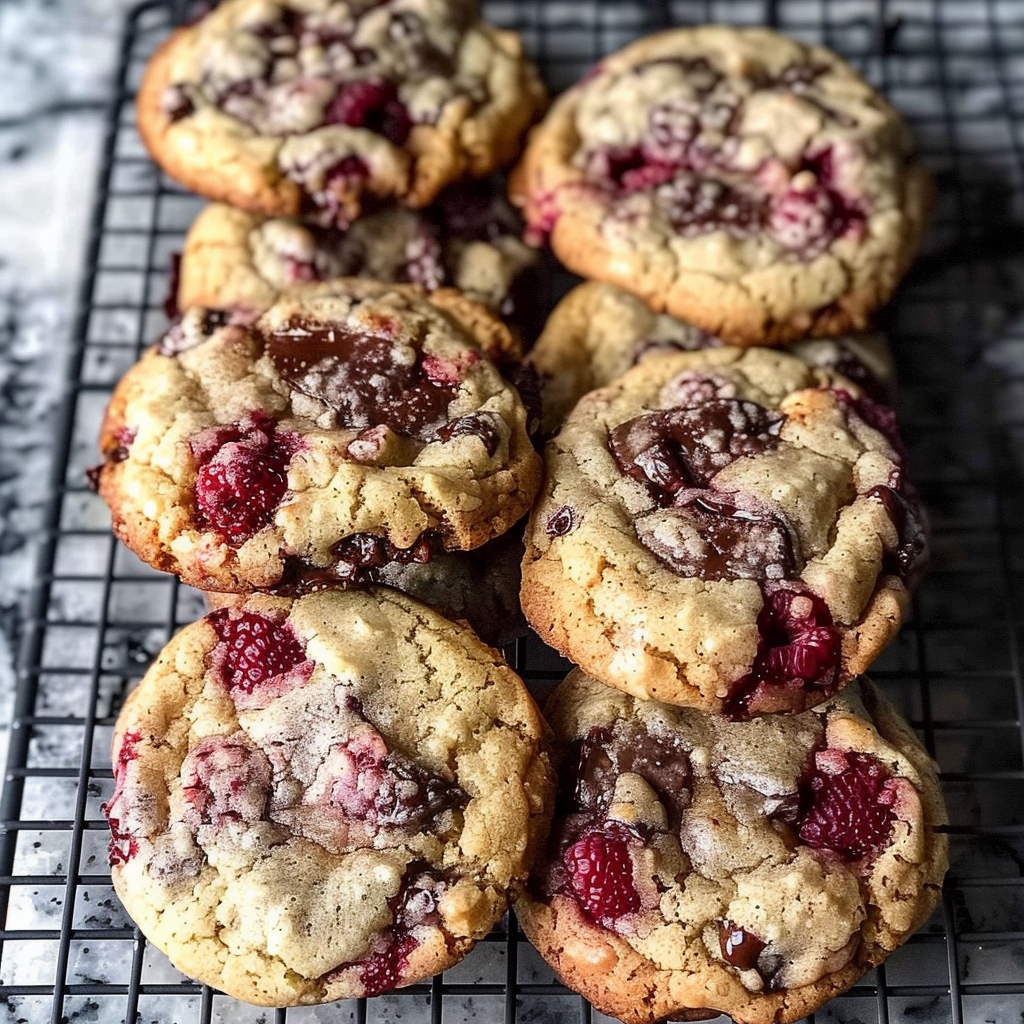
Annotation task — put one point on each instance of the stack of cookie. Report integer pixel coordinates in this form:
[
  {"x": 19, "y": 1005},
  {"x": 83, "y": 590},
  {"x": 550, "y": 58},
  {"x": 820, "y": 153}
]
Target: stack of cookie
[
  {"x": 725, "y": 537},
  {"x": 325, "y": 788}
]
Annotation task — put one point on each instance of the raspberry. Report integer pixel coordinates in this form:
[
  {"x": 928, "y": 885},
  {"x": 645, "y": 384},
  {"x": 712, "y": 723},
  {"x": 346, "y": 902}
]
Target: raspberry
[
  {"x": 799, "y": 638},
  {"x": 253, "y": 648},
  {"x": 799, "y": 648},
  {"x": 382, "y": 971},
  {"x": 123, "y": 845},
  {"x": 846, "y": 804},
  {"x": 371, "y": 103},
  {"x": 600, "y": 872},
  {"x": 424, "y": 260},
  {"x": 223, "y": 779},
  {"x": 242, "y": 476}
]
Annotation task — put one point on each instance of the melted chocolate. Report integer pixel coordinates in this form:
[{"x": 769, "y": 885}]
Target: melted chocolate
[
  {"x": 714, "y": 540},
  {"x": 679, "y": 448},
  {"x": 357, "y": 375},
  {"x": 562, "y": 522},
  {"x": 908, "y": 560},
  {"x": 474, "y": 425},
  {"x": 739, "y": 947}
]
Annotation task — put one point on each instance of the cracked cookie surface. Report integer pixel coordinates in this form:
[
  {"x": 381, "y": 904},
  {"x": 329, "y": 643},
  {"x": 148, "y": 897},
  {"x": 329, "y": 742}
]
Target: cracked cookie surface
[
  {"x": 469, "y": 240},
  {"x": 728, "y": 529},
  {"x": 598, "y": 332},
  {"x": 752, "y": 186},
  {"x": 295, "y": 819},
  {"x": 311, "y": 106},
  {"x": 758, "y": 869},
  {"x": 349, "y": 426}
]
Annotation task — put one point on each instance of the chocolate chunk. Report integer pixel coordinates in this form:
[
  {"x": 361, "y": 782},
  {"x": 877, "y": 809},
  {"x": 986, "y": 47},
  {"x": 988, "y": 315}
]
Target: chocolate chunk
[
  {"x": 679, "y": 448},
  {"x": 739, "y": 947},
  {"x": 479, "y": 424},
  {"x": 562, "y": 522},
  {"x": 367, "y": 379},
  {"x": 714, "y": 540},
  {"x": 908, "y": 559}
]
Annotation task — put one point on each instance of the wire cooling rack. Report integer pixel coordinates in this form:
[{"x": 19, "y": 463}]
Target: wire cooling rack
[{"x": 956, "y": 70}]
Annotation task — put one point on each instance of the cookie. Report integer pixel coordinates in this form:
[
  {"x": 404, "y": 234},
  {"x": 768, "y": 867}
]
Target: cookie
[
  {"x": 311, "y": 108},
  {"x": 479, "y": 588},
  {"x": 469, "y": 240},
  {"x": 756, "y": 869},
  {"x": 748, "y": 184},
  {"x": 296, "y": 819},
  {"x": 728, "y": 529},
  {"x": 349, "y": 425},
  {"x": 597, "y": 332}
]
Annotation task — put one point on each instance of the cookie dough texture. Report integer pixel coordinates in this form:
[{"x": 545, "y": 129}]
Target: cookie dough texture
[
  {"x": 598, "y": 332},
  {"x": 748, "y": 184},
  {"x": 282, "y": 898},
  {"x": 593, "y": 591},
  {"x": 724, "y": 861},
  {"x": 233, "y": 258},
  {"x": 344, "y": 474},
  {"x": 237, "y": 106}
]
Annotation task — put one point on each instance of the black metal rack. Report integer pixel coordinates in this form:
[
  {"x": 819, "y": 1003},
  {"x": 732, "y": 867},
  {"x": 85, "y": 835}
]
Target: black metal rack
[{"x": 955, "y": 68}]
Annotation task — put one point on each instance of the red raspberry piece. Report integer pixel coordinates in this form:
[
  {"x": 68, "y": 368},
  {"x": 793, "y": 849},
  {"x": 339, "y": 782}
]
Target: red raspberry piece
[
  {"x": 253, "y": 648},
  {"x": 242, "y": 476},
  {"x": 846, "y": 804},
  {"x": 382, "y": 971},
  {"x": 371, "y": 103},
  {"x": 600, "y": 872},
  {"x": 799, "y": 648},
  {"x": 224, "y": 778},
  {"x": 123, "y": 845}
]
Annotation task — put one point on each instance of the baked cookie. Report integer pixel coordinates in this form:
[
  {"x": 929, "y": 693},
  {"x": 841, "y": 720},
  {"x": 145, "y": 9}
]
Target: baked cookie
[
  {"x": 597, "y": 332},
  {"x": 297, "y": 819},
  {"x": 757, "y": 869},
  {"x": 753, "y": 186},
  {"x": 308, "y": 106},
  {"x": 479, "y": 587},
  {"x": 349, "y": 425},
  {"x": 727, "y": 529},
  {"x": 470, "y": 239}
]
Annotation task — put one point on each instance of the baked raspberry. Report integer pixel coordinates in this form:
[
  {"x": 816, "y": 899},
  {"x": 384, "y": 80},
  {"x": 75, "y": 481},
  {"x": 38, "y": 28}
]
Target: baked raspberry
[
  {"x": 331, "y": 204},
  {"x": 367, "y": 782},
  {"x": 846, "y": 804},
  {"x": 383, "y": 969},
  {"x": 301, "y": 270},
  {"x": 254, "y": 649},
  {"x": 696, "y": 205},
  {"x": 799, "y": 649},
  {"x": 599, "y": 869},
  {"x": 424, "y": 260},
  {"x": 224, "y": 779},
  {"x": 371, "y": 103},
  {"x": 668, "y": 451},
  {"x": 123, "y": 845},
  {"x": 242, "y": 475}
]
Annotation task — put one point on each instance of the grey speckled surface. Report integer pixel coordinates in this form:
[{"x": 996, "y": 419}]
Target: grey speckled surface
[{"x": 958, "y": 331}]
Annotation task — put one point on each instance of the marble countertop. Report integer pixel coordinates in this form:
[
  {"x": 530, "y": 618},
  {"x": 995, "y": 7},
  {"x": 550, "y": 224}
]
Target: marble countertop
[{"x": 57, "y": 60}]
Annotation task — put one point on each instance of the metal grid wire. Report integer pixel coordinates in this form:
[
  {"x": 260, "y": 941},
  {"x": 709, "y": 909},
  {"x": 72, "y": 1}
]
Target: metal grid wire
[{"x": 956, "y": 69}]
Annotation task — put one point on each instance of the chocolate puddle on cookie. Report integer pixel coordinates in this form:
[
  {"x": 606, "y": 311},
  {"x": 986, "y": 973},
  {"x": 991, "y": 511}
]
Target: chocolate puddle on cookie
[{"x": 366, "y": 379}]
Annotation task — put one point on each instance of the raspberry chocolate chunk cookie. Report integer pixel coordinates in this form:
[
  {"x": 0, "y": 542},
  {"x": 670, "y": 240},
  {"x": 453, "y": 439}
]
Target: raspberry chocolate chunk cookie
[
  {"x": 287, "y": 108},
  {"x": 598, "y": 332},
  {"x": 352, "y": 424},
  {"x": 470, "y": 240},
  {"x": 756, "y": 868},
  {"x": 753, "y": 186},
  {"x": 728, "y": 529},
  {"x": 479, "y": 587},
  {"x": 296, "y": 819}
]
